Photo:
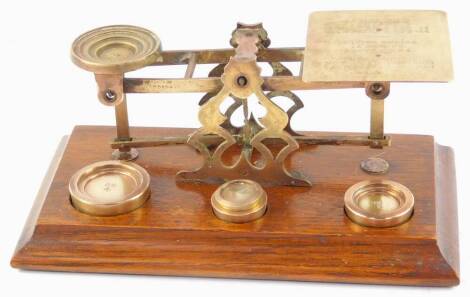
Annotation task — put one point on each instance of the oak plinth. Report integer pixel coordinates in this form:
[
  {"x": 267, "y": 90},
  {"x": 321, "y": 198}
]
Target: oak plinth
[{"x": 304, "y": 234}]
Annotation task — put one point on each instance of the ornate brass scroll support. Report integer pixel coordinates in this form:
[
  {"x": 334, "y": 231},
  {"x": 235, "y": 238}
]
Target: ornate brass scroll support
[
  {"x": 278, "y": 70},
  {"x": 241, "y": 78}
]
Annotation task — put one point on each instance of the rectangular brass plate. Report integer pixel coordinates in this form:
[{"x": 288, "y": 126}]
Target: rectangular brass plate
[{"x": 394, "y": 45}]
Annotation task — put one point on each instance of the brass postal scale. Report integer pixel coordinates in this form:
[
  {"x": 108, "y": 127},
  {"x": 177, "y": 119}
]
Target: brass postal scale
[{"x": 259, "y": 201}]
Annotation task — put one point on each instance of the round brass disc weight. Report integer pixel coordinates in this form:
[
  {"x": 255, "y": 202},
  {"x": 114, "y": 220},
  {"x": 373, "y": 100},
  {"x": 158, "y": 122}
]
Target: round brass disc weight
[
  {"x": 109, "y": 188},
  {"x": 239, "y": 201},
  {"x": 381, "y": 203},
  {"x": 115, "y": 49}
]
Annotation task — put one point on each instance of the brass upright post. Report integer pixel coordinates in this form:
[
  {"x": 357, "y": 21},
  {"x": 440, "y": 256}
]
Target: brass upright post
[
  {"x": 377, "y": 92},
  {"x": 377, "y": 118},
  {"x": 123, "y": 133},
  {"x": 111, "y": 93},
  {"x": 122, "y": 120}
]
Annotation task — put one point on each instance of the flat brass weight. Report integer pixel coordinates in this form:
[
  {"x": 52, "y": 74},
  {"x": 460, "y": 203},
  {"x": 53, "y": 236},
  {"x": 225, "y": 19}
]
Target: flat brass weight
[
  {"x": 239, "y": 201},
  {"x": 109, "y": 188},
  {"x": 378, "y": 203}
]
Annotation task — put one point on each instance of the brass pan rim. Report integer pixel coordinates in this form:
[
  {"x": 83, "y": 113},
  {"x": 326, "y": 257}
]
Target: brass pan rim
[
  {"x": 85, "y": 203},
  {"x": 403, "y": 196},
  {"x": 142, "y": 47}
]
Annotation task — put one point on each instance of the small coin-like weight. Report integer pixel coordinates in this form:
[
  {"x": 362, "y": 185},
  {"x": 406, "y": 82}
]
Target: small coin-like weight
[{"x": 375, "y": 165}]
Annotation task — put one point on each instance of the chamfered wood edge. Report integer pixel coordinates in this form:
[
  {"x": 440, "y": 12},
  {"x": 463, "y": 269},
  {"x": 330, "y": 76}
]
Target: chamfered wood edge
[
  {"x": 31, "y": 221},
  {"x": 446, "y": 210},
  {"x": 60, "y": 250}
]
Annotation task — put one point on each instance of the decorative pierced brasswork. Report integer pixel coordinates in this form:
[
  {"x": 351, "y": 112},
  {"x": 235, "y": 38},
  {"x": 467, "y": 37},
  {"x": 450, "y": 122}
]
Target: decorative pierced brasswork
[
  {"x": 241, "y": 78},
  {"x": 278, "y": 70}
]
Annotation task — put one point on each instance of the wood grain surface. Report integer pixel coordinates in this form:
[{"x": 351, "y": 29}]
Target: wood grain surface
[{"x": 304, "y": 235}]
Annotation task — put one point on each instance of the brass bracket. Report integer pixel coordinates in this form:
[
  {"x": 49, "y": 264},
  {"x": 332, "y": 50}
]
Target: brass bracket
[
  {"x": 111, "y": 93},
  {"x": 377, "y": 92},
  {"x": 241, "y": 78}
]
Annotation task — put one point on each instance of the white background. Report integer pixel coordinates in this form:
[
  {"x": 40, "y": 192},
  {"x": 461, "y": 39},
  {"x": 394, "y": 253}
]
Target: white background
[{"x": 44, "y": 95}]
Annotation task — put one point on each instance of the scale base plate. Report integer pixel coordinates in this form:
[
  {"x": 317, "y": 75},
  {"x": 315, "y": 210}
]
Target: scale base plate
[{"x": 304, "y": 234}]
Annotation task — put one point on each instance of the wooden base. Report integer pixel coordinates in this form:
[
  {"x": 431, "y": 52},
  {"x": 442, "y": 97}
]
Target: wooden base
[{"x": 304, "y": 235}]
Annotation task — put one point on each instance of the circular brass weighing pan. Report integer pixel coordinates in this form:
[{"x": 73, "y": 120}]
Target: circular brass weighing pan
[
  {"x": 381, "y": 203},
  {"x": 239, "y": 201},
  {"x": 109, "y": 188},
  {"x": 115, "y": 49}
]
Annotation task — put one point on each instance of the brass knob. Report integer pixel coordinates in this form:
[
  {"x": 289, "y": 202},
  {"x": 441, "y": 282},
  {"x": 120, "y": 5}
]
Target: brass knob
[
  {"x": 109, "y": 188},
  {"x": 380, "y": 203},
  {"x": 239, "y": 201}
]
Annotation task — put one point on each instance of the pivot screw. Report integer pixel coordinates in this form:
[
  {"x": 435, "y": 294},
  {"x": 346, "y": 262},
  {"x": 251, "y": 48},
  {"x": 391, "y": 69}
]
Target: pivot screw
[
  {"x": 110, "y": 95},
  {"x": 377, "y": 88},
  {"x": 242, "y": 81}
]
